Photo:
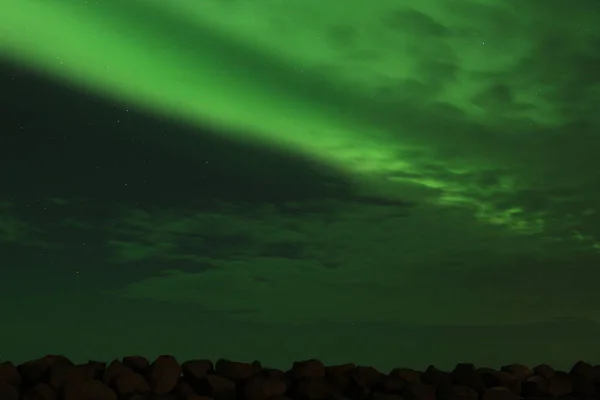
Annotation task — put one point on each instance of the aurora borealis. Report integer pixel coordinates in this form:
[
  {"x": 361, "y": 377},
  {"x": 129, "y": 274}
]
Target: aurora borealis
[{"x": 375, "y": 168}]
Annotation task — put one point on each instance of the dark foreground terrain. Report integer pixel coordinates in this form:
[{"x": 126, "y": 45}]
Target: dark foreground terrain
[{"x": 55, "y": 377}]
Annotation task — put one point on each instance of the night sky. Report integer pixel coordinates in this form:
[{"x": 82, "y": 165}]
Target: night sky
[{"x": 390, "y": 183}]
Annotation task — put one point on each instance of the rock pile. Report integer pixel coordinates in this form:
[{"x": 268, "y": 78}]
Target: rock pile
[{"x": 55, "y": 377}]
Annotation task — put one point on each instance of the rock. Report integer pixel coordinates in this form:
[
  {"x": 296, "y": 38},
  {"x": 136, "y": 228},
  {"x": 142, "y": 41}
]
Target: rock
[
  {"x": 544, "y": 370},
  {"x": 369, "y": 376},
  {"x": 196, "y": 369},
  {"x": 311, "y": 389},
  {"x": 456, "y": 392},
  {"x": 435, "y": 377},
  {"x": 534, "y": 386},
  {"x": 260, "y": 388},
  {"x": 586, "y": 370},
  {"x": 114, "y": 369},
  {"x": 559, "y": 384},
  {"x": 138, "y": 364},
  {"x": 41, "y": 391},
  {"x": 87, "y": 390},
  {"x": 408, "y": 374},
  {"x": 498, "y": 393},
  {"x": 466, "y": 375},
  {"x": 164, "y": 374},
  {"x": 307, "y": 369},
  {"x": 519, "y": 370},
  {"x": 33, "y": 372},
  {"x": 55, "y": 377},
  {"x": 236, "y": 371},
  {"x": 8, "y": 391},
  {"x": 128, "y": 384}
]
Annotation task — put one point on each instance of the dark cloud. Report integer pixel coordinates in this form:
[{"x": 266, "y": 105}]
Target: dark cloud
[
  {"x": 342, "y": 37},
  {"x": 408, "y": 20},
  {"x": 499, "y": 95}
]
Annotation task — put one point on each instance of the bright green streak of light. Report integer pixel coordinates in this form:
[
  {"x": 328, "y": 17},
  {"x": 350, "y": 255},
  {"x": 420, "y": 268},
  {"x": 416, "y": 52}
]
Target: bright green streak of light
[{"x": 162, "y": 62}]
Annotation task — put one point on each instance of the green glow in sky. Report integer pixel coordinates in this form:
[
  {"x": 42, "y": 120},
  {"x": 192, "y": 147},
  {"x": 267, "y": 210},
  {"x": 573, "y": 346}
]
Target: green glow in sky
[
  {"x": 320, "y": 170},
  {"x": 457, "y": 103}
]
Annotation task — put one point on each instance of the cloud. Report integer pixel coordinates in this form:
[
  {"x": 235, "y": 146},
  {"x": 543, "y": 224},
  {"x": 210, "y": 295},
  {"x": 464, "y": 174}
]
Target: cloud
[
  {"x": 364, "y": 263},
  {"x": 13, "y": 229},
  {"x": 231, "y": 231},
  {"x": 301, "y": 291},
  {"x": 59, "y": 201}
]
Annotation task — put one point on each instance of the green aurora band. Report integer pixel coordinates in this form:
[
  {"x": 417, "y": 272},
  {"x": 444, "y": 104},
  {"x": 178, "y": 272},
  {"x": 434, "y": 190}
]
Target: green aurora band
[
  {"x": 249, "y": 70},
  {"x": 160, "y": 57}
]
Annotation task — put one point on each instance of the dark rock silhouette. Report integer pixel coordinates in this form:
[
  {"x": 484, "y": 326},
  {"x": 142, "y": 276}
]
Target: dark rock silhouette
[{"x": 55, "y": 377}]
